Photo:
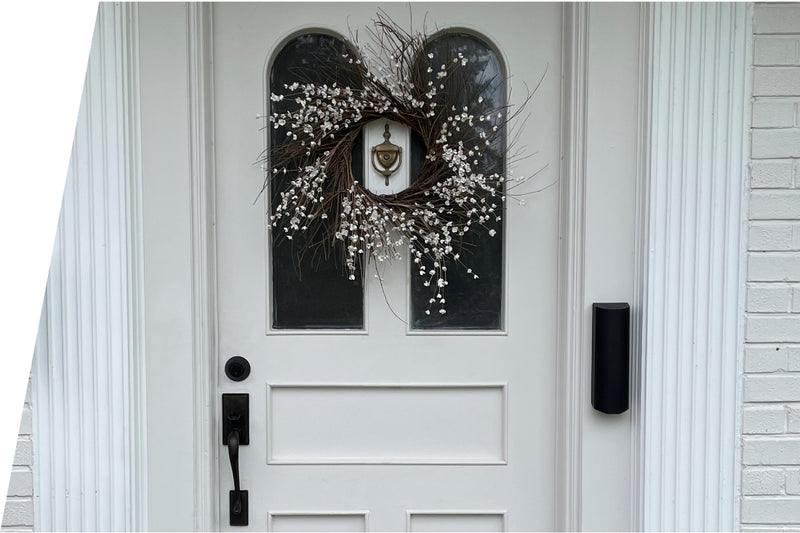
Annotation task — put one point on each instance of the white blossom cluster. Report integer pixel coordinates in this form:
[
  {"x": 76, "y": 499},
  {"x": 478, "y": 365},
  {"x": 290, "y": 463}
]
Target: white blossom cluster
[{"x": 325, "y": 120}]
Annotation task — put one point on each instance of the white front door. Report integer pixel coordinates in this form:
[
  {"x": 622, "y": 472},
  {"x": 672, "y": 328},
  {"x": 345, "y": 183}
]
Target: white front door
[{"x": 360, "y": 419}]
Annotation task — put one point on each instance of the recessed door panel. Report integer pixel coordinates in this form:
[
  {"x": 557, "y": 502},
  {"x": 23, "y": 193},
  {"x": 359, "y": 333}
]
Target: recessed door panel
[
  {"x": 455, "y": 521},
  {"x": 317, "y": 521},
  {"x": 386, "y": 424}
]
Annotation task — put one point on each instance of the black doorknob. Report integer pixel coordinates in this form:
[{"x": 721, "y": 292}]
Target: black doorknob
[{"x": 237, "y": 368}]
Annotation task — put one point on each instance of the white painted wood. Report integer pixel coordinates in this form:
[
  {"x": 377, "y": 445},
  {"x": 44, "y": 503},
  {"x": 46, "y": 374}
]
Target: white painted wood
[
  {"x": 128, "y": 59},
  {"x": 201, "y": 147},
  {"x": 528, "y": 37},
  {"x": 610, "y": 186},
  {"x": 177, "y": 217},
  {"x": 641, "y": 255},
  {"x": 172, "y": 116},
  {"x": 597, "y": 253},
  {"x": 692, "y": 324},
  {"x": 86, "y": 448},
  {"x": 439, "y": 424},
  {"x": 345, "y": 521},
  {"x": 575, "y": 41},
  {"x": 168, "y": 270},
  {"x": 446, "y": 520}
]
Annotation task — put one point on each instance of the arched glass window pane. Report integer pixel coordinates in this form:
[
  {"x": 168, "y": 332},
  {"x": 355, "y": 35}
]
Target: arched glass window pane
[
  {"x": 472, "y": 304},
  {"x": 310, "y": 291}
]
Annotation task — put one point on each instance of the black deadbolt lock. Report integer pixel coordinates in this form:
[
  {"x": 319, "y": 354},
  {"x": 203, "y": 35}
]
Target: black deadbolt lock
[{"x": 237, "y": 368}]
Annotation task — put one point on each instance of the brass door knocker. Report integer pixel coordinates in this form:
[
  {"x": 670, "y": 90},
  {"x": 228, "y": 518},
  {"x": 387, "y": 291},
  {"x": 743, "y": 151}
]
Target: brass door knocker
[{"x": 387, "y": 155}]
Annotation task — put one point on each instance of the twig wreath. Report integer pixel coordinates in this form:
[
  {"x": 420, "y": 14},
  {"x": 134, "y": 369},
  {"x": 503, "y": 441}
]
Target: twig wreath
[{"x": 320, "y": 196}]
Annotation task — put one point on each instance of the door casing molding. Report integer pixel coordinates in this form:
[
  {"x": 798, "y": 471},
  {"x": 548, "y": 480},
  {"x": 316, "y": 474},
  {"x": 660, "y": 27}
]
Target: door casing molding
[
  {"x": 128, "y": 59},
  {"x": 575, "y": 51},
  {"x": 200, "y": 83},
  {"x": 641, "y": 242},
  {"x": 88, "y": 374},
  {"x": 696, "y": 126}
]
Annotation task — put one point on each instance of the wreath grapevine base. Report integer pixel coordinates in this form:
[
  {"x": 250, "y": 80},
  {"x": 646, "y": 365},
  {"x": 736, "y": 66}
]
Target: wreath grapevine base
[{"x": 320, "y": 196}]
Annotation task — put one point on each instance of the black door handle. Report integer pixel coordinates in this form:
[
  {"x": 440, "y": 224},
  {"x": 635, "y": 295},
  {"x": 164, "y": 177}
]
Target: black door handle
[
  {"x": 233, "y": 453},
  {"x": 236, "y": 432}
]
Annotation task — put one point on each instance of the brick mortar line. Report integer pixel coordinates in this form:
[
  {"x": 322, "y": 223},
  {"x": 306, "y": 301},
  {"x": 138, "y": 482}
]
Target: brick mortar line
[
  {"x": 773, "y": 496},
  {"x": 775, "y": 314},
  {"x": 780, "y": 436},
  {"x": 788, "y": 284},
  {"x": 773, "y": 469},
  {"x": 781, "y": 373},
  {"x": 791, "y": 404},
  {"x": 787, "y": 344},
  {"x": 787, "y": 374},
  {"x": 775, "y": 403},
  {"x": 790, "y": 465}
]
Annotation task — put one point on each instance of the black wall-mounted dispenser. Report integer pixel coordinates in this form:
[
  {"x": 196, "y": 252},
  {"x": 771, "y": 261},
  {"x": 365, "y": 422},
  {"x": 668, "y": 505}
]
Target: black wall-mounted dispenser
[{"x": 611, "y": 357}]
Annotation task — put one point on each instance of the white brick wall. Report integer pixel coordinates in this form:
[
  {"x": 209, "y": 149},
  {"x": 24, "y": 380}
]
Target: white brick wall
[
  {"x": 771, "y": 388},
  {"x": 18, "y": 513}
]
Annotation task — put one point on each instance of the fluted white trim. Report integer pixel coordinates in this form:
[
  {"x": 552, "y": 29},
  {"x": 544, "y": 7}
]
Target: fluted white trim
[
  {"x": 575, "y": 42},
  {"x": 130, "y": 149},
  {"x": 641, "y": 242},
  {"x": 204, "y": 316},
  {"x": 87, "y": 447},
  {"x": 692, "y": 321}
]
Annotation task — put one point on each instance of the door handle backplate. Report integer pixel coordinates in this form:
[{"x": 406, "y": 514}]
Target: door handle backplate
[{"x": 236, "y": 416}]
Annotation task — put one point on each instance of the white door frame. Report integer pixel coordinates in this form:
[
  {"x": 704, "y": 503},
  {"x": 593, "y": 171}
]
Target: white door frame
[
  {"x": 178, "y": 339},
  {"x": 573, "y": 327}
]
